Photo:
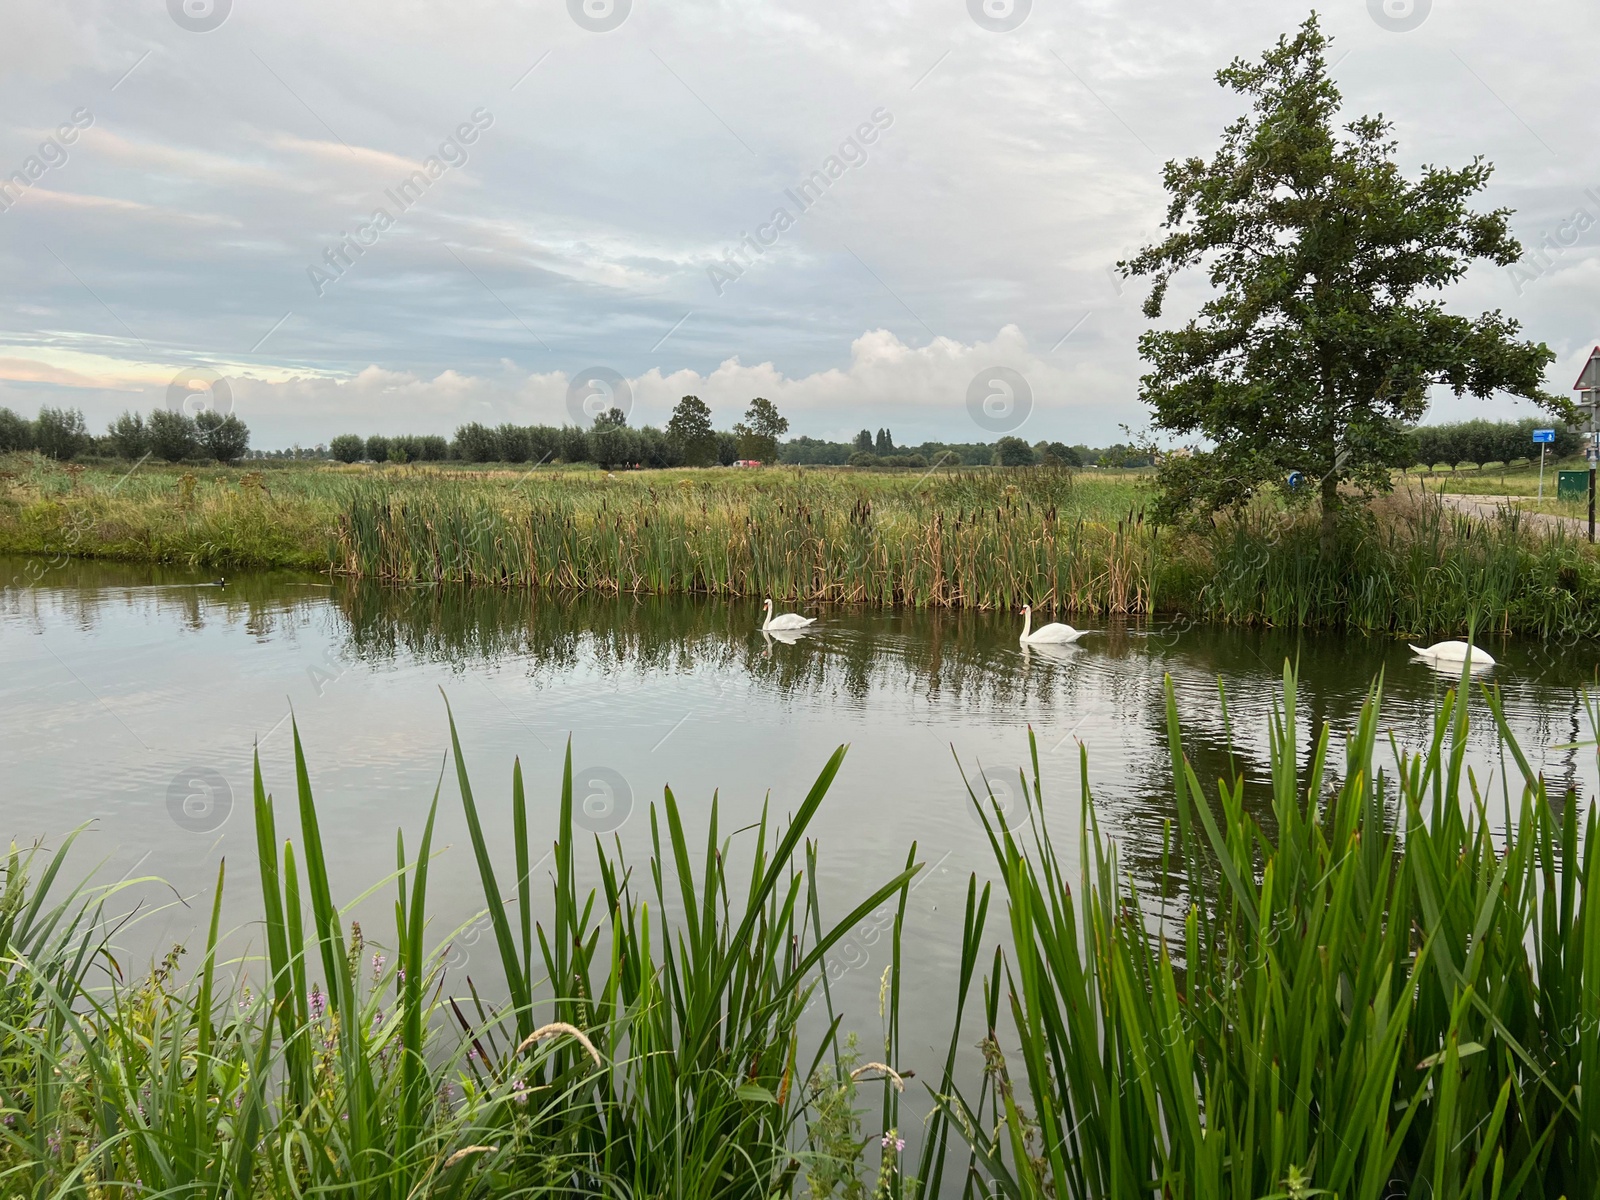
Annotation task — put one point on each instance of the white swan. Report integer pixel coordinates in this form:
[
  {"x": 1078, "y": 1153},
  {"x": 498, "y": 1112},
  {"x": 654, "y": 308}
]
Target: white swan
[
  {"x": 1453, "y": 652},
  {"x": 1053, "y": 632},
  {"x": 785, "y": 620}
]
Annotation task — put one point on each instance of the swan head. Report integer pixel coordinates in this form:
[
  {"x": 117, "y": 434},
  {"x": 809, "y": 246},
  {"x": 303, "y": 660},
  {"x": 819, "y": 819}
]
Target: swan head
[{"x": 1025, "y": 610}]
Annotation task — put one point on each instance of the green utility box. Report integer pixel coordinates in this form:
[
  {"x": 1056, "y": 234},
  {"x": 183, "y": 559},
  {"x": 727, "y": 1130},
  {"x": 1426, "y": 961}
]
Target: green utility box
[{"x": 1572, "y": 485}]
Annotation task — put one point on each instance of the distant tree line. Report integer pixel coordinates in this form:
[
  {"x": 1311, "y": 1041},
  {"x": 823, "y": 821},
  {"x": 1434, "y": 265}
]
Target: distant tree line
[
  {"x": 689, "y": 439},
  {"x": 879, "y": 449},
  {"x": 61, "y": 433},
  {"x": 1479, "y": 442}
]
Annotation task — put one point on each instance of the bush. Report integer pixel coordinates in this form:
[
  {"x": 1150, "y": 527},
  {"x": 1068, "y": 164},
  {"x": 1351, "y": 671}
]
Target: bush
[
  {"x": 347, "y": 447},
  {"x": 378, "y": 448},
  {"x": 863, "y": 458}
]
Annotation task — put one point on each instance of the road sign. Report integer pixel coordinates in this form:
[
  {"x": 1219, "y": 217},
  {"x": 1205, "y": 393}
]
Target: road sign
[
  {"x": 1544, "y": 435},
  {"x": 1590, "y": 379}
]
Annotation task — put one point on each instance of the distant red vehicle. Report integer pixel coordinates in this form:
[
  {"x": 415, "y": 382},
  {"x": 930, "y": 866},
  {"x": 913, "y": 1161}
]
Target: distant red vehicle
[{"x": 747, "y": 462}]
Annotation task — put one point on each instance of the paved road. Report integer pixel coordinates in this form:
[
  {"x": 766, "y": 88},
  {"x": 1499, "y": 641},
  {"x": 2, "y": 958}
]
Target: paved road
[{"x": 1489, "y": 506}]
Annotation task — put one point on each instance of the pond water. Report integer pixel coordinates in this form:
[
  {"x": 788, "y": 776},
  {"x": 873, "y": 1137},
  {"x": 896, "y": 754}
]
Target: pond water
[{"x": 133, "y": 698}]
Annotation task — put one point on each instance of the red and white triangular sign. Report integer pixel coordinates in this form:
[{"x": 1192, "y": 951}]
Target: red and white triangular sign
[{"x": 1590, "y": 379}]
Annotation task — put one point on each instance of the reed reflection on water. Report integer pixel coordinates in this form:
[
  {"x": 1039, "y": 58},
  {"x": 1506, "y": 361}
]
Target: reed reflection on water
[{"x": 120, "y": 680}]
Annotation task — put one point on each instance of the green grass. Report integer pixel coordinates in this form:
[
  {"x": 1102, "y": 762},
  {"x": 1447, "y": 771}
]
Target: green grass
[{"x": 1370, "y": 992}]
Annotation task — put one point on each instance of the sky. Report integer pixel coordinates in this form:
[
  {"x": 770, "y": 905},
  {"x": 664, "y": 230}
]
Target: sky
[{"x": 565, "y": 187}]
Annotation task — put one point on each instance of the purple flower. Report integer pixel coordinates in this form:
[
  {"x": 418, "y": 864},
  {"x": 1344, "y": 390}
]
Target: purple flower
[
  {"x": 519, "y": 1090},
  {"x": 317, "y": 1002},
  {"x": 893, "y": 1138},
  {"x": 377, "y": 967},
  {"x": 53, "y": 1141}
]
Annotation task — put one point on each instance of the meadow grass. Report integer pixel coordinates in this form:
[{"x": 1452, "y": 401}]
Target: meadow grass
[
  {"x": 1385, "y": 983},
  {"x": 1065, "y": 542}
]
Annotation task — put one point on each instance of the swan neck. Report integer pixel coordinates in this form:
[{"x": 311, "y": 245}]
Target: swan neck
[{"x": 1027, "y": 621}]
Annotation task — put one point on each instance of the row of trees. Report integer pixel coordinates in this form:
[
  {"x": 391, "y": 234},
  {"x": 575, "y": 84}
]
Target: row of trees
[
  {"x": 61, "y": 433},
  {"x": 1480, "y": 442},
  {"x": 689, "y": 439}
]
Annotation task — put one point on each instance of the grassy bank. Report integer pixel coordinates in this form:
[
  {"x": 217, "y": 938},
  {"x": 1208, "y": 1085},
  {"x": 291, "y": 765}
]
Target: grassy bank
[
  {"x": 1362, "y": 988},
  {"x": 1066, "y": 542}
]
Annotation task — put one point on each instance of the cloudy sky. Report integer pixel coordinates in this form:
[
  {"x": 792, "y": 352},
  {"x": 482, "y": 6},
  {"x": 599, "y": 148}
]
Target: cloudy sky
[{"x": 595, "y": 163}]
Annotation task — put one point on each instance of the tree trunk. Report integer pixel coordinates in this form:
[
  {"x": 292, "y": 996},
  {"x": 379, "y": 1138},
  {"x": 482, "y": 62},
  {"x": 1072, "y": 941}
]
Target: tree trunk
[{"x": 1330, "y": 511}]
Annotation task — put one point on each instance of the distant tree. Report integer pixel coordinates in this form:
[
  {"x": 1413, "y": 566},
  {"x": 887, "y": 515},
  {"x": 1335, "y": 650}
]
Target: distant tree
[
  {"x": 224, "y": 438},
  {"x": 1013, "y": 452},
  {"x": 574, "y": 445},
  {"x": 1326, "y": 332},
  {"x": 690, "y": 429},
  {"x": 512, "y": 443},
  {"x": 883, "y": 444},
  {"x": 864, "y": 458},
  {"x": 864, "y": 442},
  {"x": 611, "y": 442},
  {"x": 348, "y": 447},
  {"x": 16, "y": 432},
  {"x": 432, "y": 448},
  {"x": 544, "y": 443},
  {"x": 377, "y": 448},
  {"x": 760, "y": 430},
  {"x": 60, "y": 433},
  {"x": 173, "y": 436},
  {"x": 129, "y": 436},
  {"x": 475, "y": 443},
  {"x": 1057, "y": 454}
]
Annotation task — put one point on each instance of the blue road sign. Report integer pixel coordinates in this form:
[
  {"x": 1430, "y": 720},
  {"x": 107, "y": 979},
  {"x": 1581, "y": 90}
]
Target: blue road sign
[{"x": 1544, "y": 435}]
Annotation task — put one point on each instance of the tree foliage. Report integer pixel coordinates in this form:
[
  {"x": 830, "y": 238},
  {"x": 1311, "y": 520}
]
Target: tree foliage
[
  {"x": 60, "y": 433},
  {"x": 760, "y": 430},
  {"x": 690, "y": 430},
  {"x": 1325, "y": 333}
]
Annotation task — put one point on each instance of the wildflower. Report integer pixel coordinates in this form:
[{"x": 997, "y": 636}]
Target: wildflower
[
  {"x": 317, "y": 1002},
  {"x": 893, "y": 1138},
  {"x": 519, "y": 1090},
  {"x": 446, "y": 1093},
  {"x": 377, "y": 967},
  {"x": 54, "y": 1142}
]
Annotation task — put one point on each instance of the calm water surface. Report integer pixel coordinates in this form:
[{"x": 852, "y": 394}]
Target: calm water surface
[{"x": 133, "y": 698}]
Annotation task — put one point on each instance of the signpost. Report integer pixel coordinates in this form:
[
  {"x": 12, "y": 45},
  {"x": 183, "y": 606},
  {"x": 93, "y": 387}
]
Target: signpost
[
  {"x": 1588, "y": 386},
  {"x": 1542, "y": 438}
]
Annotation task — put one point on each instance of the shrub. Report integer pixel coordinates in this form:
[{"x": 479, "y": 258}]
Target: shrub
[{"x": 347, "y": 447}]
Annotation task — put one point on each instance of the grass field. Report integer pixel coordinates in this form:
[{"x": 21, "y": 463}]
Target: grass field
[{"x": 1065, "y": 542}]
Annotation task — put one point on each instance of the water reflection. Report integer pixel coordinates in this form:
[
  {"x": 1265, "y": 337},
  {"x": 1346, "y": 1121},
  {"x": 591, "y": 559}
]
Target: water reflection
[{"x": 662, "y": 688}]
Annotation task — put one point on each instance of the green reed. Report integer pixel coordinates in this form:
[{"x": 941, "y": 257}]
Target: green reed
[
  {"x": 1356, "y": 982},
  {"x": 1366, "y": 992}
]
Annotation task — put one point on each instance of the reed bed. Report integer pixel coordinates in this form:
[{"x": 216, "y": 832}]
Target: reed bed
[
  {"x": 1387, "y": 985},
  {"x": 991, "y": 546},
  {"x": 1065, "y": 542},
  {"x": 1370, "y": 993}
]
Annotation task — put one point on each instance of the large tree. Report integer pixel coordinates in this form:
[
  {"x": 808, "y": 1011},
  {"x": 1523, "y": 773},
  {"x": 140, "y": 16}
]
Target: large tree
[
  {"x": 1325, "y": 332},
  {"x": 689, "y": 429},
  {"x": 760, "y": 430}
]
